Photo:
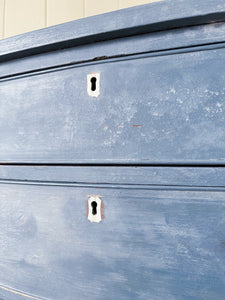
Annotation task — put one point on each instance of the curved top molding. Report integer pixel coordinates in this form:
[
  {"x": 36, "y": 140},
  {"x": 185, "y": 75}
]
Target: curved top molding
[{"x": 162, "y": 15}]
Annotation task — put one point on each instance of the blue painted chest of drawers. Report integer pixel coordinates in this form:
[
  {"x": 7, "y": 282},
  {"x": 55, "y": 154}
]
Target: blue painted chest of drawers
[{"x": 112, "y": 154}]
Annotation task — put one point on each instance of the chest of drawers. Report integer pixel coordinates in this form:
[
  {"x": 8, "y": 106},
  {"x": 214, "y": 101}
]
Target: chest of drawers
[{"x": 112, "y": 154}]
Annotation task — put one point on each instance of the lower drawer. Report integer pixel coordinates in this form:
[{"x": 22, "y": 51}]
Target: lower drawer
[{"x": 154, "y": 242}]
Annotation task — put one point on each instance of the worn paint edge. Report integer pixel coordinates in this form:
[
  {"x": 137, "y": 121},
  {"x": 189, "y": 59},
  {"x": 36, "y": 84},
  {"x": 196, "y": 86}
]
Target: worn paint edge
[
  {"x": 20, "y": 293},
  {"x": 118, "y": 186},
  {"x": 155, "y": 17},
  {"x": 116, "y": 58}
]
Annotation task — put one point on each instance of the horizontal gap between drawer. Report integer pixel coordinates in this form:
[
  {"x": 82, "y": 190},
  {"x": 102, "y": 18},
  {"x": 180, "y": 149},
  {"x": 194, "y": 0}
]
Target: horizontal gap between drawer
[
  {"x": 169, "y": 176},
  {"x": 116, "y": 186},
  {"x": 128, "y": 164},
  {"x": 109, "y": 59}
]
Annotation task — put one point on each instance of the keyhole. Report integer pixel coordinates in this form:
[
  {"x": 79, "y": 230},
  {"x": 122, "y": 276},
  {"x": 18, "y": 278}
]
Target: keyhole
[
  {"x": 94, "y": 207},
  {"x": 93, "y": 83}
]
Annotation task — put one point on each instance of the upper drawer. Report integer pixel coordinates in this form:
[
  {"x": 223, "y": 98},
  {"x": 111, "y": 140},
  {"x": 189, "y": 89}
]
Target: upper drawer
[
  {"x": 151, "y": 109},
  {"x": 159, "y": 90}
]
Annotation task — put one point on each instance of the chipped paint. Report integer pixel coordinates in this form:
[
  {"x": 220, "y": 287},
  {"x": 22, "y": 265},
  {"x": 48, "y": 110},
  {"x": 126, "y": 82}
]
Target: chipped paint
[{"x": 18, "y": 293}]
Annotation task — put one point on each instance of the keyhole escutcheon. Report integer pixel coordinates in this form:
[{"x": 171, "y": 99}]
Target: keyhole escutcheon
[
  {"x": 93, "y": 84},
  {"x": 95, "y": 209}
]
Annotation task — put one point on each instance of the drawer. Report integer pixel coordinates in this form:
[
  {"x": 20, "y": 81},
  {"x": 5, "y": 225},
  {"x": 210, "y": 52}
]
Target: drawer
[
  {"x": 160, "y": 109},
  {"x": 146, "y": 89},
  {"x": 152, "y": 240}
]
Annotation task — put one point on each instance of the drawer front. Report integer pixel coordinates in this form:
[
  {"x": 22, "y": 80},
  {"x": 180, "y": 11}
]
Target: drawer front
[
  {"x": 151, "y": 109},
  {"x": 151, "y": 244}
]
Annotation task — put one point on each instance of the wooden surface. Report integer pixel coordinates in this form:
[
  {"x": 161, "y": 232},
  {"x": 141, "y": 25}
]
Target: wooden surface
[
  {"x": 204, "y": 178},
  {"x": 161, "y": 93},
  {"x": 162, "y": 15},
  {"x": 151, "y": 244},
  {"x": 149, "y": 111},
  {"x": 190, "y": 39},
  {"x": 149, "y": 147}
]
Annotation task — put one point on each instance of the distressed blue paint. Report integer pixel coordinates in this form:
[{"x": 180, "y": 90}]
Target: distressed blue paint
[
  {"x": 139, "y": 145},
  {"x": 147, "y": 176},
  {"x": 177, "y": 106},
  {"x": 149, "y": 18},
  {"x": 151, "y": 244},
  {"x": 178, "y": 228},
  {"x": 210, "y": 35},
  {"x": 174, "y": 91}
]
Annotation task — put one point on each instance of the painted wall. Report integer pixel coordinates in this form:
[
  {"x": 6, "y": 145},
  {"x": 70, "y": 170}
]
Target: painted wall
[{"x": 19, "y": 16}]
